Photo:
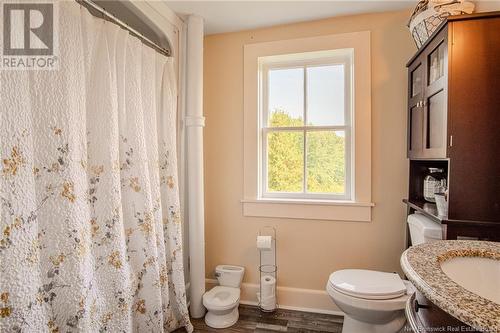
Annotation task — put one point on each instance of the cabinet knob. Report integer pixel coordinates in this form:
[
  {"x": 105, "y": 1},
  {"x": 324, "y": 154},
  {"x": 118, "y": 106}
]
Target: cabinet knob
[{"x": 420, "y": 306}]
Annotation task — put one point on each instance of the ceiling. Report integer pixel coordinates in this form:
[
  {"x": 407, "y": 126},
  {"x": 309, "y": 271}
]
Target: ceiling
[{"x": 228, "y": 16}]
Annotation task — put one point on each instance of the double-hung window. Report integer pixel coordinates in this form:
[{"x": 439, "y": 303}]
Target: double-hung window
[
  {"x": 307, "y": 128},
  {"x": 306, "y": 113}
]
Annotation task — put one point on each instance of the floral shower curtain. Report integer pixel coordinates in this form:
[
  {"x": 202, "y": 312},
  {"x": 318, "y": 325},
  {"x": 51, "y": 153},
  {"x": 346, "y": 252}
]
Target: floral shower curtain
[{"x": 89, "y": 204}]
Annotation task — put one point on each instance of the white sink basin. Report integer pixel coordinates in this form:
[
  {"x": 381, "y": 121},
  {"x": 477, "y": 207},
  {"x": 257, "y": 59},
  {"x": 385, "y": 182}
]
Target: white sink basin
[{"x": 476, "y": 274}]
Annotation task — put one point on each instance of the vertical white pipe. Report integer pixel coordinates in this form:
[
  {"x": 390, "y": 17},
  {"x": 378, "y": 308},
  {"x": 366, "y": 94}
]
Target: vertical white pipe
[{"x": 194, "y": 128}]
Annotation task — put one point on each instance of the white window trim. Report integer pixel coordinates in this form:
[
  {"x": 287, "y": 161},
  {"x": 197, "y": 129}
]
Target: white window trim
[
  {"x": 322, "y": 58},
  {"x": 358, "y": 208}
]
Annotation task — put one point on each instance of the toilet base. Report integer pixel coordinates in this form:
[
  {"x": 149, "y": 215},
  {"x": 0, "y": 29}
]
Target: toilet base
[
  {"x": 352, "y": 325},
  {"x": 215, "y": 319}
]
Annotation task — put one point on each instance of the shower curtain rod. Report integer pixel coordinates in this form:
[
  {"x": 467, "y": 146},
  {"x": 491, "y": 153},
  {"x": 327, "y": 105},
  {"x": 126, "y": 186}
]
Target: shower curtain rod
[{"x": 112, "y": 18}]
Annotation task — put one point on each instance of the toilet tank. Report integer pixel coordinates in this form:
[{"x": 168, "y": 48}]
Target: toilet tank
[
  {"x": 423, "y": 229},
  {"x": 229, "y": 276}
]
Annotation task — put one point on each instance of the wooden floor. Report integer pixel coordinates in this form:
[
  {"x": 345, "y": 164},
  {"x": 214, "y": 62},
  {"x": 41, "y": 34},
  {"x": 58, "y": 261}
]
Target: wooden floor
[{"x": 253, "y": 320}]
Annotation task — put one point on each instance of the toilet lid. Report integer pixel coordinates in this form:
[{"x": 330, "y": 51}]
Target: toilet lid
[
  {"x": 368, "y": 284},
  {"x": 221, "y": 298}
]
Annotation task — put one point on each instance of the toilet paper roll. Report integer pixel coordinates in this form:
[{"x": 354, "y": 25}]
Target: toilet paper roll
[
  {"x": 267, "y": 288},
  {"x": 264, "y": 243},
  {"x": 270, "y": 305},
  {"x": 267, "y": 296}
]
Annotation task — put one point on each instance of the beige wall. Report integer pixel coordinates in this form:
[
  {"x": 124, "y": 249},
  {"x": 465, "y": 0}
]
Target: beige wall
[{"x": 308, "y": 251}]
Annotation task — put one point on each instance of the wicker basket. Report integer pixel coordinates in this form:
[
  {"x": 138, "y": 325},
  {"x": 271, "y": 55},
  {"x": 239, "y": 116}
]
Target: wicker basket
[
  {"x": 424, "y": 24},
  {"x": 429, "y": 14}
]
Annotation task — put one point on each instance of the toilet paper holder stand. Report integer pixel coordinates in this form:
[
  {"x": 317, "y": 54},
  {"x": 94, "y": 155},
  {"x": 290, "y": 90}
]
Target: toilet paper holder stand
[{"x": 268, "y": 269}]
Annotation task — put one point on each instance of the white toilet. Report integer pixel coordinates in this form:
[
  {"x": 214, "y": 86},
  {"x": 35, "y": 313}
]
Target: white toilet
[
  {"x": 374, "y": 302},
  {"x": 222, "y": 301}
]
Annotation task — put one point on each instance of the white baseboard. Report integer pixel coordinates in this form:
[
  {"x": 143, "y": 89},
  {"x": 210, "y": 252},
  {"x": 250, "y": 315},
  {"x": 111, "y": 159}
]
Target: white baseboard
[{"x": 307, "y": 300}]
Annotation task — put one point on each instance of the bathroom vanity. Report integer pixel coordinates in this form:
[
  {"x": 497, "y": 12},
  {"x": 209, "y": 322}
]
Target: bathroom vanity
[
  {"x": 453, "y": 121},
  {"x": 457, "y": 283}
]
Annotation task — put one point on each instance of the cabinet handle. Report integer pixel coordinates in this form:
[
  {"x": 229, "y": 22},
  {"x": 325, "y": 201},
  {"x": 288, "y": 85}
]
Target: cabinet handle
[
  {"x": 420, "y": 306},
  {"x": 451, "y": 140}
]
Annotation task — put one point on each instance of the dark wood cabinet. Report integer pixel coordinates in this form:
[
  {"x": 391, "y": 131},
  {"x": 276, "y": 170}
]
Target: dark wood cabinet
[{"x": 454, "y": 123}]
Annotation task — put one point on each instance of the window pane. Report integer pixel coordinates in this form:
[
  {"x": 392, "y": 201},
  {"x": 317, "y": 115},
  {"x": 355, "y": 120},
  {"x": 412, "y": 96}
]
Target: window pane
[
  {"x": 286, "y": 97},
  {"x": 326, "y": 162},
  {"x": 325, "y": 95},
  {"x": 285, "y": 161},
  {"x": 416, "y": 81},
  {"x": 436, "y": 64}
]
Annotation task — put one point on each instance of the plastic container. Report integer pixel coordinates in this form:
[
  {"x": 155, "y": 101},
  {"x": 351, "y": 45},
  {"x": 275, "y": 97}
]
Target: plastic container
[
  {"x": 434, "y": 182},
  {"x": 441, "y": 204}
]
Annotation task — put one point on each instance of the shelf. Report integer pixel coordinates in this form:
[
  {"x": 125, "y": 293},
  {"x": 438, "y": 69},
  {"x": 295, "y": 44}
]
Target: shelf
[
  {"x": 430, "y": 210},
  {"x": 426, "y": 208}
]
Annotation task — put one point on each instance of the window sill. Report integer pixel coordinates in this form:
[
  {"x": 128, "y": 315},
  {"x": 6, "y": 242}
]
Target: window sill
[{"x": 308, "y": 209}]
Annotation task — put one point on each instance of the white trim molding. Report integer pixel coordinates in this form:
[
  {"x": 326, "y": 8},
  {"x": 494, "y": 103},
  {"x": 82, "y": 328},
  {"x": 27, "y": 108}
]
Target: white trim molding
[
  {"x": 307, "y": 300},
  {"x": 309, "y": 209},
  {"x": 358, "y": 208}
]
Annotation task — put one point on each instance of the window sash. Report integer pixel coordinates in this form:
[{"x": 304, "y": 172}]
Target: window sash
[
  {"x": 304, "y": 64},
  {"x": 347, "y": 128},
  {"x": 305, "y": 194}
]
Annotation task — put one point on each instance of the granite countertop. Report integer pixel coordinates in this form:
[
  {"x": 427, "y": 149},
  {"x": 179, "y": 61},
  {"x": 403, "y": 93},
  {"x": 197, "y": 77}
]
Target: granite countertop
[{"x": 422, "y": 266}]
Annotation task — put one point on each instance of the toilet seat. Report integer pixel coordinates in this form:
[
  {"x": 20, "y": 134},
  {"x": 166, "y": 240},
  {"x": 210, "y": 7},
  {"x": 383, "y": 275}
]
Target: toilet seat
[
  {"x": 221, "y": 298},
  {"x": 367, "y": 284}
]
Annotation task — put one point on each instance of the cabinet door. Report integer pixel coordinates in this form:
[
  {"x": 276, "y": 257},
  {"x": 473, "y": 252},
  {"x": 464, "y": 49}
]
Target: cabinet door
[
  {"x": 416, "y": 85},
  {"x": 435, "y": 98}
]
